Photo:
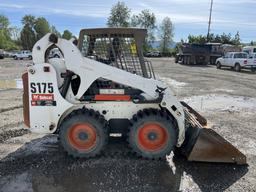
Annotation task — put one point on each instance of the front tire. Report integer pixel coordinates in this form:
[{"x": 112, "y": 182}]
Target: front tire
[
  {"x": 153, "y": 134},
  {"x": 218, "y": 65},
  {"x": 83, "y": 133}
]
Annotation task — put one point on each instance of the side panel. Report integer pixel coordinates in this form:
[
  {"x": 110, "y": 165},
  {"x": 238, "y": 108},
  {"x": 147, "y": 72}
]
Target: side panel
[{"x": 45, "y": 102}]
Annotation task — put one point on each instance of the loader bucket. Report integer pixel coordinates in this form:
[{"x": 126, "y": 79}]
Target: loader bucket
[
  {"x": 205, "y": 145},
  {"x": 209, "y": 146}
]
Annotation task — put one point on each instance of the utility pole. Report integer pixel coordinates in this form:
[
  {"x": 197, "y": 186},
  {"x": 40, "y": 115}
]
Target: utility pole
[{"x": 210, "y": 20}]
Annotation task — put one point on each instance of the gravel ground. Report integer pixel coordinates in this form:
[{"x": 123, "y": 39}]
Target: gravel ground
[{"x": 30, "y": 162}]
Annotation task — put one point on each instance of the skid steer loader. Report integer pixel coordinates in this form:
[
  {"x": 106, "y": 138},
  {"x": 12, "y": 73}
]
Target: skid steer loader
[{"x": 103, "y": 85}]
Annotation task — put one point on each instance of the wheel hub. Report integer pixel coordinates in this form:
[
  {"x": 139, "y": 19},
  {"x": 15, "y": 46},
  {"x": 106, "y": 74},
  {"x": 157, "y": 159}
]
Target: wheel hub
[
  {"x": 152, "y": 137},
  {"x": 82, "y": 137}
]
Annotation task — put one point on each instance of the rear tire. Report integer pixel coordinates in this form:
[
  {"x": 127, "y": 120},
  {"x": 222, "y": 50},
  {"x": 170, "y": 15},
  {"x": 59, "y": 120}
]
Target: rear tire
[
  {"x": 176, "y": 59},
  {"x": 152, "y": 134},
  {"x": 237, "y": 67},
  {"x": 83, "y": 133},
  {"x": 218, "y": 65}
]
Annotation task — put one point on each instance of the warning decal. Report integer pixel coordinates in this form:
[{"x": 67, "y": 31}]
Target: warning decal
[
  {"x": 43, "y": 100},
  {"x": 42, "y": 97}
]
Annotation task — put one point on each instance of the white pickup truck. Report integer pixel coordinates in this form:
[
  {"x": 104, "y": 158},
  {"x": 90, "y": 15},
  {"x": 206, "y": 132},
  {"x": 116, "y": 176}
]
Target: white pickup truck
[
  {"x": 236, "y": 60},
  {"x": 22, "y": 54},
  {"x": 252, "y": 61}
]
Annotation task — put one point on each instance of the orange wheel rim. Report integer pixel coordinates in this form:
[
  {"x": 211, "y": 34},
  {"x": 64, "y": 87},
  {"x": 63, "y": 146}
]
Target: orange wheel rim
[
  {"x": 82, "y": 137},
  {"x": 152, "y": 137}
]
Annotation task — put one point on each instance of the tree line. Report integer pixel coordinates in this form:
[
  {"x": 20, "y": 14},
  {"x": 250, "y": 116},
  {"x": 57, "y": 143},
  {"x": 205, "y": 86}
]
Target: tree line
[
  {"x": 223, "y": 38},
  {"x": 33, "y": 29},
  {"x": 120, "y": 16}
]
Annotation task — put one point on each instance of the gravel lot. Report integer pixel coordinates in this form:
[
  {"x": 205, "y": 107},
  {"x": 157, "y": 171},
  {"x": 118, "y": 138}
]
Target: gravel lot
[{"x": 30, "y": 162}]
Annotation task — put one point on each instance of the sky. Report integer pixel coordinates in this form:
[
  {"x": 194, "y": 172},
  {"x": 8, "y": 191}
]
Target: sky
[{"x": 188, "y": 16}]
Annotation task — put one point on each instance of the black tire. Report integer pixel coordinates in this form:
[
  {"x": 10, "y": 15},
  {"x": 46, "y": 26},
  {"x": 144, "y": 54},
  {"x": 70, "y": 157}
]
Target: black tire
[
  {"x": 253, "y": 70},
  {"x": 148, "y": 121},
  {"x": 30, "y": 57},
  {"x": 185, "y": 60},
  {"x": 182, "y": 60},
  {"x": 188, "y": 60},
  {"x": 89, "y": 130},
  {"x": 176, "y": 59},
  {"x": 237, "y": 67},
  {"x": 15, "y": 58},
  {"x": 218, "y": 65}
]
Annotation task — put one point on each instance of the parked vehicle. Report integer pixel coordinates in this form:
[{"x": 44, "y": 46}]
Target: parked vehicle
[
  {"x": 252, "y": 61},
  {"x": 235, "y": 60},
  {"x": 86, "y": 99},
  {"x": 153, "y": 54},
  {"x": 249, "y": 49},
  {"x": 22, "y": 55},
  {"x": 1, "y": 54},
  {"x": 203, "y": 54},
  {"x": 6, "y": 54}
]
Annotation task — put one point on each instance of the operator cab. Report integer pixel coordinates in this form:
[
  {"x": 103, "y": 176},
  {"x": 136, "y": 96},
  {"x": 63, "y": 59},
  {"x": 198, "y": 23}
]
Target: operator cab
[{"x": 118, "y": 47}]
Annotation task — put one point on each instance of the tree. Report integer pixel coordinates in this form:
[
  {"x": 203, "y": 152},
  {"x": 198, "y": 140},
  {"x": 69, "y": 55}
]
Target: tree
[
  {"x": 33, "y": 30},
  {"x": 4, "y": 22},
  {"x": 146, "y": 20},
  {"x": 41, "y": 27},
  {"x": 119, "y": 15},
  {"x": 236, "y": 40},
  {"x": 27, "y": 37},
  {"x": 226, "y": 38},
  {"x": 28, "y": 20},
  {"x": 55, "y": 31},
  {"x": 200, "y": 39},
  {"x": 28, "y": 33},
  {"x": 134, "y": 21},
  {"x": 166, "y": 34},
  {"x": 67, "y": 35},
  {"x": 223, "y": 38},
  {"x": 5, "y": 34}
]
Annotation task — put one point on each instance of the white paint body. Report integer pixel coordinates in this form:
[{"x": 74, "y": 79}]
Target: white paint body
[
  {"x": 233, "y": 58},
  {"x": 22, "y": 54},
  {"x": 44, "y": 117},
  {"x": 252, "y": 59}
]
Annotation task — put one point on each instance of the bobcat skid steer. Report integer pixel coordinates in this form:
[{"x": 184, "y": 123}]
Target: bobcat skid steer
[{"x": 103, "y": 85}]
